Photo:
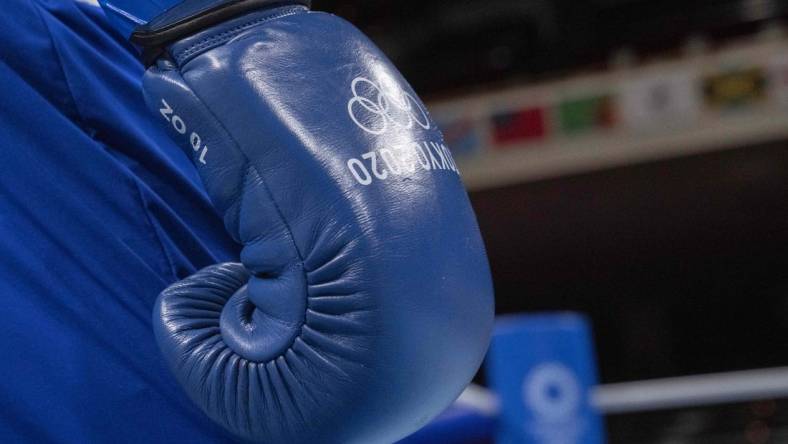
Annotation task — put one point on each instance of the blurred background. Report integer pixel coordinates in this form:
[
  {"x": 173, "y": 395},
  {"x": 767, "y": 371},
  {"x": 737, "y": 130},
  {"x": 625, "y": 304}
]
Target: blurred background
[{"x": 627, "y": 159}]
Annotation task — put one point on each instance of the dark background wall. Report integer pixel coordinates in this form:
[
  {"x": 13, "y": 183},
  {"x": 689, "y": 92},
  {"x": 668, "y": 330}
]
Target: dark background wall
[
  {"x": 682, "y": 264},
  {"x": 451, "y": 46}
]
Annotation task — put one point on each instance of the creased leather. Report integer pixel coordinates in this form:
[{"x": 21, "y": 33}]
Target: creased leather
[{"x": 363, "y": 305}]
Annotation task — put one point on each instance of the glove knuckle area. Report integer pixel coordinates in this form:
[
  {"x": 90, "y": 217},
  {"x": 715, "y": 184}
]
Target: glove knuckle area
[
  {"x": 367, "y": 303},
  {"x": 246, "y": 341},
  {"x": 238, "y": 362}
]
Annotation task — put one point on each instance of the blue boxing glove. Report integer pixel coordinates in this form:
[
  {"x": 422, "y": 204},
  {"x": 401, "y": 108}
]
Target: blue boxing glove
[{"x": 363, "y": 304}]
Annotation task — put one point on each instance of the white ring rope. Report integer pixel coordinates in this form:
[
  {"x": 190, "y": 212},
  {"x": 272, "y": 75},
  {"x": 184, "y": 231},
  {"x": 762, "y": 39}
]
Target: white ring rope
[{"x": 667, "y": 393}]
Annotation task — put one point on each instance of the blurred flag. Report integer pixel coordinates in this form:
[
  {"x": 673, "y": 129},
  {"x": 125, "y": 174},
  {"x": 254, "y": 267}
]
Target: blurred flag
[
  {"x": 519, "y": 126},
  {"x": 461, "y": 136},
  {"x": 586, "y": 113},
  {"x": 661, "y": 102},
  {"x": 734, "y": 89}
]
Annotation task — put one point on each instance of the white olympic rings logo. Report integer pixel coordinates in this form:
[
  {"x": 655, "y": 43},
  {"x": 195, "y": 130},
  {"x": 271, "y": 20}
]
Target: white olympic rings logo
[
  {"x": 552, "y": 391},
  {"x": 375, "y": 109}
]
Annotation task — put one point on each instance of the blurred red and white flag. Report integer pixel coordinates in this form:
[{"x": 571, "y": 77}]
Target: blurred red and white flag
[{"x": 528, "y": 124}]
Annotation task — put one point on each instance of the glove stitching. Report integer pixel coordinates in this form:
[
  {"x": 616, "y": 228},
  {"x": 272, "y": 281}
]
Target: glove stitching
[
  {"x": 276, "y": 206},
  {"x": 225, "y": 36},
  {"x": 286, "y": 383},
  {"x": 239, "y": 200}
]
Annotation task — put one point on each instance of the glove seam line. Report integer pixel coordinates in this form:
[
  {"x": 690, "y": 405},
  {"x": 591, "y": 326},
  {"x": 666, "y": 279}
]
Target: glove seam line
[{"x": 250, "y": 166}]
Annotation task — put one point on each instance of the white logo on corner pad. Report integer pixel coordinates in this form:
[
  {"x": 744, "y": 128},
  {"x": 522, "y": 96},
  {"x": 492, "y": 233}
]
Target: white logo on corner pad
[{"x": 552, "y": 392}]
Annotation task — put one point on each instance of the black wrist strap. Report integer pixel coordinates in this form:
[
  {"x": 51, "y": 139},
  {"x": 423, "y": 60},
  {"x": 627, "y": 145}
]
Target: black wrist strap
[{"x": 192, "y": 16}]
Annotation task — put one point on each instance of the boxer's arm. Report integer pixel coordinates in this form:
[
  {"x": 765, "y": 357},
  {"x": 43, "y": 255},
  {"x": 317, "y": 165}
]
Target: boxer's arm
[{"x": 363, "y": 303}]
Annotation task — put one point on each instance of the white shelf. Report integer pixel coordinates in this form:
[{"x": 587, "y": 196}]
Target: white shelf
[
  {"x": 703, "y": 129},
  {"x": 548, "y": 160}
]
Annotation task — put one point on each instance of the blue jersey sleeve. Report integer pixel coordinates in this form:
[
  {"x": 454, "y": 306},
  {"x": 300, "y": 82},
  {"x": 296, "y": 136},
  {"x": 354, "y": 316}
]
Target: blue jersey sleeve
[{"x": 99, "y": 211}]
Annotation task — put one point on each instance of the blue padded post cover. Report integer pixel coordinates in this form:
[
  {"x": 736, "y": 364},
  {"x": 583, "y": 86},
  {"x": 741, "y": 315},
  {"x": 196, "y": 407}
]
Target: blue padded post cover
[{"x": 542, "y": 366}]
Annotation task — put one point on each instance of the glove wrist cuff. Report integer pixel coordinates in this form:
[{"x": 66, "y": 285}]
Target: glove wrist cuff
[{"x": 190, "y": 17}]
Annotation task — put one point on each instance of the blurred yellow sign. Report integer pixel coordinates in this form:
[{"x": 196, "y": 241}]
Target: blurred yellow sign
[{"x": 735, "y": 88}]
